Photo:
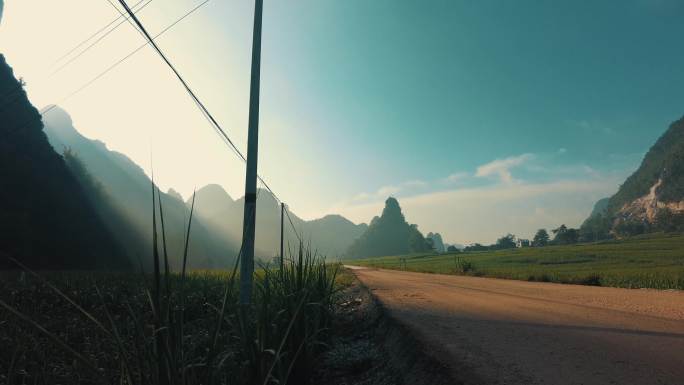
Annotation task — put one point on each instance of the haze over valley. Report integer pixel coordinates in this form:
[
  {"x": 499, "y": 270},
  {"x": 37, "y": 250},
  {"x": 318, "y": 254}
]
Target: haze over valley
[{"x": 264, "y": 192}]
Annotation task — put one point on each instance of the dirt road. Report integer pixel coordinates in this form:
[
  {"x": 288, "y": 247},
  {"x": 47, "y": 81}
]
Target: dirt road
[{"x": 494, "y": 331}]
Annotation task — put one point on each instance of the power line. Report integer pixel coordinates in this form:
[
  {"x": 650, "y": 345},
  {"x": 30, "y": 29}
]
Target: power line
[
  {"x": 278, "y": 201},
  {"x": 205, "y": 112},
  {"x": 21, "y": 84},
  {"x": 180, "y": 78},
  {"x": 134, "y": 51},
  {"x": 128, "y": 19},
  {"x": 79, "y": 45},
  {"x": 151, "y": 40},
  {"x": 287, "y": 212},
  {"x": 103, "y": 73},
  {"x": 192, "y": 94},
  {"x": 86, "y": 49}
]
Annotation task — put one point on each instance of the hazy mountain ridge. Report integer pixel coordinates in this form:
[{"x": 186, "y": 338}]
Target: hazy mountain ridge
[
  {"x": 335, "y": 232},
  {"x": 47, "y": 219},
  {"x": 130, "y": 190},
  {"x": 217, "y": 224},
  {"x": 329, "y": 236},
  {"x": 652, "y": 198}
]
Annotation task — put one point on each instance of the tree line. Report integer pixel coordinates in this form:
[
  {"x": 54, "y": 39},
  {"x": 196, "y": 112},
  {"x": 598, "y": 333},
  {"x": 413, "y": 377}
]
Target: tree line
[{"x": 562, "y": 235}]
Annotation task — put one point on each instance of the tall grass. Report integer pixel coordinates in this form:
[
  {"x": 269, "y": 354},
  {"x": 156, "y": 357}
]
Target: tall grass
[{"x": 188, "y": 328}]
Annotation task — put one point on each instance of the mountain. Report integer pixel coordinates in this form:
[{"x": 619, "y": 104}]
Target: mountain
[
  {"x": 333, "y": 234},
  {"x": 47, "y": 221},
  {"x": 389, "y": 234},
  {"x": 217, "y": 221},
  {"x": 651, "y": 199},
  {"x": 437, "y": 242},
  {"x": 600, "y": 207},
  {"x": 128, "y": 191},
  {"x": 598, "y": 225},
  {"x": 330, "y": 236}
]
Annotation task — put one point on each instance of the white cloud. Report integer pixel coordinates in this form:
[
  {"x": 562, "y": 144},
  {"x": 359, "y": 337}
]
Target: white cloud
[
  {"x": 387, "y": 190},
  {"x": 502, "y": 167}
]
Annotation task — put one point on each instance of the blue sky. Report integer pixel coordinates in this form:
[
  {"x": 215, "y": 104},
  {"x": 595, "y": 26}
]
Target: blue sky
[{"x": 481, "y": 117}]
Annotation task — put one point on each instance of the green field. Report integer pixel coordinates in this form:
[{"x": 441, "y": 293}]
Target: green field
[{"x": 653, "y": 261}]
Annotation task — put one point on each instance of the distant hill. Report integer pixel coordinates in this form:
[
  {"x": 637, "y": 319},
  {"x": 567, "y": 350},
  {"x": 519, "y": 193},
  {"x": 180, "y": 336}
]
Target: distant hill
[
  {"x": 217, "y": 224},
  {"x": 388, "y": 234},
  {"x": 329, "y": 236},
  {"x": 437, "y": 243},
  {"x": 333, "y": 234},
  {"x": 47, "y": 219},
  {"x": 129, "y": 190},
  {"x": 651, "y": 199}
]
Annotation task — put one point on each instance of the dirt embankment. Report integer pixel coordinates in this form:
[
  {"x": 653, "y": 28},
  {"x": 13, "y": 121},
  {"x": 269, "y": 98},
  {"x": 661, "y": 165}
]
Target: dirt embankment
[{"x": 369, "y": 347}]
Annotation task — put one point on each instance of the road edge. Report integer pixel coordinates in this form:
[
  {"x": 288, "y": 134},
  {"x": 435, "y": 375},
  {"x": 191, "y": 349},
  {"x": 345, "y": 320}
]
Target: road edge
[{"x": 418, "y": 361}]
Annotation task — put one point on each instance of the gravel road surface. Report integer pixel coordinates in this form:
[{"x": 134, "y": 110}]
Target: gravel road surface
[{"x": 493, "y": 331}]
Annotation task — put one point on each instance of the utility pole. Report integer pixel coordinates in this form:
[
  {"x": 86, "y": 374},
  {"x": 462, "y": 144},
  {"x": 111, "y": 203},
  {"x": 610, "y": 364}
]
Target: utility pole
[
  {"x": 282, "y": 222},
  {"x": 247, "y": 258}
]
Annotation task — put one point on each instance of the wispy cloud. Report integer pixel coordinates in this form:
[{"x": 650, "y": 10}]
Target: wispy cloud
[
  {"x": 455, "y": 177},
  {"x": 414, "y": 183},
  {"x": 390, "y": 190},
  {"x": 593, "y": 126},
  {"x": 502, "y": 167}
]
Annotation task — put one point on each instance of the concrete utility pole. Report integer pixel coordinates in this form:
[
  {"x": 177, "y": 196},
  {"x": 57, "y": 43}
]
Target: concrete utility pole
[
  {"x": 247, "y": 258},
  {"x": 282, "y": 222}
]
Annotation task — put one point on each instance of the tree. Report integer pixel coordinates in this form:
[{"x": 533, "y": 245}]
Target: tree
[
  {"x": 452, "y": 249},
  {"x": 669, "y": 221},
  {"x": 541, "y": 238},
  {"x": 630, "y": 227},
  {"x": 506, "y": 242},
  {"x": 565, "y": 235},
  {"x": 476, "y": 247},
  {"x": 571, "y": 236},
  {"x": 560, "y": 230},
  {"x": 596, "y": 228}
]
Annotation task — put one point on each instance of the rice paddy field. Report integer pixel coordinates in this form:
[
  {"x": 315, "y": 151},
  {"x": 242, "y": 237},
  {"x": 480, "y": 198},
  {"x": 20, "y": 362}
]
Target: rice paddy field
[{"x": 651, "y": 261}]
